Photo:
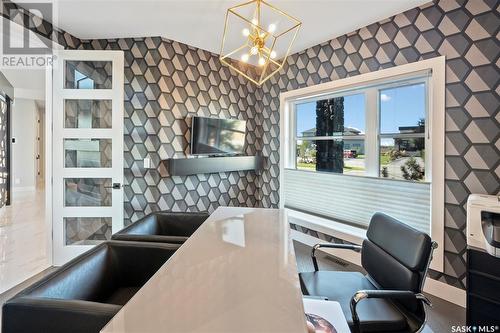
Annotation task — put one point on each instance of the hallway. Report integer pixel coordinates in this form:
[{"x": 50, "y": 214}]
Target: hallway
[{"x": 23, "y": 238}]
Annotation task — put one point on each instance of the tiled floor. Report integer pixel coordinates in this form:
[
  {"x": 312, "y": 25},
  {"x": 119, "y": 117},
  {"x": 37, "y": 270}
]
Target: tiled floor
[{"x": 23, "y": 238}]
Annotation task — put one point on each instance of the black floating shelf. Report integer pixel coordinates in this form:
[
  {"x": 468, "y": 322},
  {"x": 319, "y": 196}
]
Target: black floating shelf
[{"x": 194, "y": 166}]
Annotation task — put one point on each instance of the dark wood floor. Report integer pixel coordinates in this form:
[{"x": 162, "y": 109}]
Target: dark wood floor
[{"x": 441, "y": 316}]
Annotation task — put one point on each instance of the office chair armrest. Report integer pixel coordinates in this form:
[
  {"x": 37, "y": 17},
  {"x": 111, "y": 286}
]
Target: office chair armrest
[
  {"x": 353, "y": 247},
  {"x": 392, "y": 294}
]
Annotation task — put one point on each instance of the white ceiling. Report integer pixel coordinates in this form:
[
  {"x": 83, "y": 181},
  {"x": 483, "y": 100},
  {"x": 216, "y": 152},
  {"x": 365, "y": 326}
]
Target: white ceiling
[
  {"x": 25, "y": 78},
  {"x": 200, "y": 22}
]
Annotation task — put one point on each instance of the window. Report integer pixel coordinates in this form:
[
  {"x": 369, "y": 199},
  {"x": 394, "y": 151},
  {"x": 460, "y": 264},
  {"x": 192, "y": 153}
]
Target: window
[
  {"x": 369, "y": 143},
  {"x": 402, "y": 131},
  {"x": 330, "y": 133},
  {"x": 376, "y": 133}
]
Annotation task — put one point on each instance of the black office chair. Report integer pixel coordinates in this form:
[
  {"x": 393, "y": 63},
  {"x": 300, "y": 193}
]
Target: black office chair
[{"x": 396, "y": 258}]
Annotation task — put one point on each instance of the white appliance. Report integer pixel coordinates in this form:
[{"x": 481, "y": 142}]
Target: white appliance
[{"x": 483, "y": 223}]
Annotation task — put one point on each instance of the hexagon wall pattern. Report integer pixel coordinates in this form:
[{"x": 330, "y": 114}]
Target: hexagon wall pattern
[
  {"x": 466, "y": 33},
  {"x": 166, "y": 83}
]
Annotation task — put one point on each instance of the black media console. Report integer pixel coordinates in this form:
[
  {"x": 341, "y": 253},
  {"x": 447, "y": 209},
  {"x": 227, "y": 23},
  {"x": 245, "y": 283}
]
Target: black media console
[{"x": 193, "y": 166}]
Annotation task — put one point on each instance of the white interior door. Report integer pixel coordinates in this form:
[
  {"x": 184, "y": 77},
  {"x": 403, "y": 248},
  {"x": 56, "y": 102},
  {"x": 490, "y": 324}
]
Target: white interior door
[{"x": 87, "y": 150}]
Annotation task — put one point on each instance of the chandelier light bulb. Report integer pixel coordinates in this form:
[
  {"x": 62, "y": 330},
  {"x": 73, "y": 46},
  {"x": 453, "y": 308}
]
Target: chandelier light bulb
[{"x": 252, "y": 29}]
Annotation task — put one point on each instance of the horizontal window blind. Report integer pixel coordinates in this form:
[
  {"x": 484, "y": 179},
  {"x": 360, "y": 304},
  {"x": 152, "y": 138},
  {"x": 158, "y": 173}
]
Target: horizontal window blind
[{"x": 355, "y": 199}]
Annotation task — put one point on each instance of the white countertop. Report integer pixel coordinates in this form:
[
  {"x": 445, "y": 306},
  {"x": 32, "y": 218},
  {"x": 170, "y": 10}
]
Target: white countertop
[{"x": 237, "y": 273}]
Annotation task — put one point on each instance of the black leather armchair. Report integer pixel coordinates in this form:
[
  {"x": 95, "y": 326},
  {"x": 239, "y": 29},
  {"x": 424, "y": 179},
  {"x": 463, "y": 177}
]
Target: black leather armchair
[
  {"x": 389, "y": 298},
  {"x": 163, "y": 227},
  {"x": 84, "y": 294}
]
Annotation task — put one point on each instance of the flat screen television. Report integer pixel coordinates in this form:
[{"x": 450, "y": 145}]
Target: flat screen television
[{"x": 215, "y": 136}]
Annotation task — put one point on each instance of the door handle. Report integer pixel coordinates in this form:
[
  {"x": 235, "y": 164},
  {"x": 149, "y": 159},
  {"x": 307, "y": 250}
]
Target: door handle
[{"x": 115, "y": 186}]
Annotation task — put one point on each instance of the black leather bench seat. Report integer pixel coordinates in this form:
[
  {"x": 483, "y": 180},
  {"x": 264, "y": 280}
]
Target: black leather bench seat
[
  {"x": 122, "y": 295},
  {"x": 84, "y": 294},
  {"x": 163, "y": 227}
]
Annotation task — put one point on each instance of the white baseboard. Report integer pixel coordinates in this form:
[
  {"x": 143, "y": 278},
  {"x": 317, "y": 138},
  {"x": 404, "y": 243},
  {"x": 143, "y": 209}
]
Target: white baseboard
[
  {"x": 445, "y": 291},
  {"x": 436, "y": 288}
]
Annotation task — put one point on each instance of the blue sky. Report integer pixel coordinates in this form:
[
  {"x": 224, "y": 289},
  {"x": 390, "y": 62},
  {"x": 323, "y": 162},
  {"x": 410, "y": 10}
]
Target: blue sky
[{"x": 401, "y": 106}]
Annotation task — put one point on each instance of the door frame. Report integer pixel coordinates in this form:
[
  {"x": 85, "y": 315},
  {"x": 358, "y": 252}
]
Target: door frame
[
  {"x": 49, "y": 135},
  {"x": 48, "y": 160},
  {"x": 48, "y": 148}
]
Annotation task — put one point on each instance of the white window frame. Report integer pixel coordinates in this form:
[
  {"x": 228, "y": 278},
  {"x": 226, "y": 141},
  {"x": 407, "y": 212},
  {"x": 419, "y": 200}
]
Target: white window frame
[
  {"x": 372, "y": 136},
  {"x": 435, "y": 130}
]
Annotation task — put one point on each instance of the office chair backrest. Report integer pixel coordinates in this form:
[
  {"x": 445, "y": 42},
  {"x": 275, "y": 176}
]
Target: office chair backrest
[{"x": 395, "y": 255}]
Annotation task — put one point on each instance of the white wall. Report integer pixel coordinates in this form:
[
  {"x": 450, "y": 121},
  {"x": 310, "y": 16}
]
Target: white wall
[
  {"x": 6, "y": 86},
  {"x": 23, "y": 125}
]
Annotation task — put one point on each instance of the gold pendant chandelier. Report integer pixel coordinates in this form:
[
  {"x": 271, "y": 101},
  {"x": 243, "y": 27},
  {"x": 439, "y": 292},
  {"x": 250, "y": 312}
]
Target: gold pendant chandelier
[{"x": 257, "y": 39}]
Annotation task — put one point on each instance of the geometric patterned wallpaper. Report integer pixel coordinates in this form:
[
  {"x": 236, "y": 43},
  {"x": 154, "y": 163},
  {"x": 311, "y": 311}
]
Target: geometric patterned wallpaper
[
  {"x": 466, "y": 33},
  {"x": 165, "y": 81},
  {"x": 87, "y": 230}
]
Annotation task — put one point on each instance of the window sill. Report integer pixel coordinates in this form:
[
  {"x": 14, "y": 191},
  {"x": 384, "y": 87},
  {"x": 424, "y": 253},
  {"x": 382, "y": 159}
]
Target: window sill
[
  {"x": 330, "y": 227},
  {"x": 403, "y": 181}
]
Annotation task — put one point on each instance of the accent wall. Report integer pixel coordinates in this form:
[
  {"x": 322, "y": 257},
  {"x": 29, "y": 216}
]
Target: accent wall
[{"x": 463, "y": 31}]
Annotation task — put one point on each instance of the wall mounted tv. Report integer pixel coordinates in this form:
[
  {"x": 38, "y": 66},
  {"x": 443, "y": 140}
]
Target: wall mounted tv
[{"x": 215, "y": 136}]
